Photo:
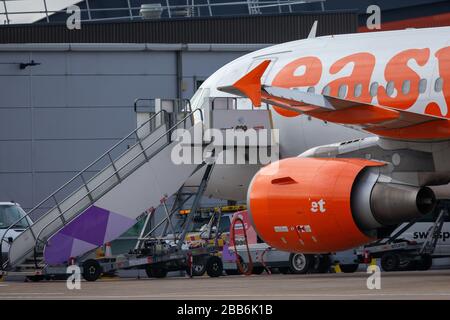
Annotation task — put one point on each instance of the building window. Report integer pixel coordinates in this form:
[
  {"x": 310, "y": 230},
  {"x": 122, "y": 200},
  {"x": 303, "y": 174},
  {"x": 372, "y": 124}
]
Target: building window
[
  {"x": 438, "y": 84},
  {"x": 342, "y": 91},
  {"x": 373, "y": 89},
  {"x": 358, "y": 90},
  {"x": 422, "y": 85},
  {"x": 390, "y": 88},
  {"x": 406, "y": 86},
  {"x": 326, "y": 90}
]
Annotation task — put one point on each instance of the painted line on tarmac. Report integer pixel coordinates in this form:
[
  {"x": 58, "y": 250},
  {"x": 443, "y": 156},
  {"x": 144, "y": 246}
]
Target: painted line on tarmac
[
  {"x": 294, "y": 295},
  {"x": 168, "y": 296},
  {"x": 5, "y": 294}
]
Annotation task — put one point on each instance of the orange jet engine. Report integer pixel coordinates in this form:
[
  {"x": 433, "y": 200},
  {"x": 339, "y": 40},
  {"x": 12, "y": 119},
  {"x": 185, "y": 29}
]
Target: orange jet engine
[{"x": 320, "y": 205}]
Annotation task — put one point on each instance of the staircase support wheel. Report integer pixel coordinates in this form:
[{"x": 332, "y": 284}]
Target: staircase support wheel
[{"x": 91, "y": 270}]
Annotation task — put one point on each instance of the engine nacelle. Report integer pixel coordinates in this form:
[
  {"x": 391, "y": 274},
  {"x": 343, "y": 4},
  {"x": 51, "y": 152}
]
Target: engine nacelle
[{"x": 317, "y": 205}]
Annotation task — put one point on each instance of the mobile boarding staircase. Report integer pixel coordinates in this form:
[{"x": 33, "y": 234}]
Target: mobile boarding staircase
[{"x": 90, "y": 210}]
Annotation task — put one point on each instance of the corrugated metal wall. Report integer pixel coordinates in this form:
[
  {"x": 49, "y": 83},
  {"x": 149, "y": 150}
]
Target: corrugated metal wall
[
  {"x": 253, "y": 29},
  {"x": 58, "y": 117}
]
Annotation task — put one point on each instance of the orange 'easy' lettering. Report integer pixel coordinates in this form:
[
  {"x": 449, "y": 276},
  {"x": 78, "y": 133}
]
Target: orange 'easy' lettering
[
  {"x": 397, "y": 70},
  {"x": 443, "y": 56},
  {"x": 433, "y": 109},
  {"x": 286, "y": 78},
  {"x": 364, "y": 63}
]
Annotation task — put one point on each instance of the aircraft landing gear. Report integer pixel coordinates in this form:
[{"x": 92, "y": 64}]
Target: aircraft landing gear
[{"x": 300, "y": 263}]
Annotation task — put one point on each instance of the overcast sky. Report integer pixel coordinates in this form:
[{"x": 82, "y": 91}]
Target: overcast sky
[{"x": 30, "y": 5}]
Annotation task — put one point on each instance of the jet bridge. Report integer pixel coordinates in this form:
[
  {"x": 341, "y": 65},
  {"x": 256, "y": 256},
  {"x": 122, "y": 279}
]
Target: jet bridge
[{"x": 91, "y": 210}]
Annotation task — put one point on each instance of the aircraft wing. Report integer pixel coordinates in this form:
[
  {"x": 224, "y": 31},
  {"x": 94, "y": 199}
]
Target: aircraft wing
[{"x": 383, "y": 121}]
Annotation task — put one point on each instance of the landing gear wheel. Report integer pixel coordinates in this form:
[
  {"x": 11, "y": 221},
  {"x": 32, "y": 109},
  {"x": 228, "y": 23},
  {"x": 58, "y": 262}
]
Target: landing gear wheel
[
  {"x": 258, "y": 270},
  {"x": 155, "y": 272},
  {"x": 349, "y": 268},
  {"x": 425, "y": 262},
  {"x": 214, "y": 267},
  {"x": 300, "y": 263},
  {"x": 91, "y": 270},
  {"x": 390, "y": 262},
  {"x": 284, "y": 270}
]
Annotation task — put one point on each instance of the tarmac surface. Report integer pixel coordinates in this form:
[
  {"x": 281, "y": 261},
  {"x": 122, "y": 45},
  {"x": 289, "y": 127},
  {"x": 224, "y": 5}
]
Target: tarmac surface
[{"x": 395, "y": 285}]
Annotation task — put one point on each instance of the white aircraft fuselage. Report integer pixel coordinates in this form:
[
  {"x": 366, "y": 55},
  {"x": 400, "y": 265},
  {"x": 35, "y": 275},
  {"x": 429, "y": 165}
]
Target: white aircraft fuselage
[{"x": 404, "y": 70}]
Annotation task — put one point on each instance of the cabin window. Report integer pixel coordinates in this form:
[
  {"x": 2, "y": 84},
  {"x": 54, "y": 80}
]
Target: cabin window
[
  {"x": 342, "y": 91},
  {"x": 311, "y": 89},
  {"x": 373, "y": 89},
  {"x": 390, "y": 88},
  {"x": 358, "y": 90},
  {"x": 422, "y": 85},
  {"x": 406, "y": 87},
  {"x": 438, "y": 84},
  {"x": 326, "y": 90}
]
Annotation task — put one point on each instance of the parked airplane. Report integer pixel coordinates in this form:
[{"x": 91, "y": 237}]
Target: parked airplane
[{"x": 392, "y": 85}]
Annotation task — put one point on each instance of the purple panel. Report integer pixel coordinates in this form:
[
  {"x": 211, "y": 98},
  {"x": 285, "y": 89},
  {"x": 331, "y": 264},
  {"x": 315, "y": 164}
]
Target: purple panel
[
  {"x": 228, "y": 255},
  {"x": 90, "y": 226},
  {"x": 58, "y": 249},
  {"x": 79, "y": 247},
  {"x": 91, "y": 229},
  {"x": 117, "y": 225}
]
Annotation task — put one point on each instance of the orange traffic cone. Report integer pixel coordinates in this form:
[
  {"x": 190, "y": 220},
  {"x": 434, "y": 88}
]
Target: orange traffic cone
[{"x": 108, "y": 252}]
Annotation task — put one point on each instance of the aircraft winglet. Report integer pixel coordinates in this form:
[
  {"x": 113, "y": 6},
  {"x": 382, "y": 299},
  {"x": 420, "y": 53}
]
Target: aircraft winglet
[
  {"x": 250, "y": 84},
  {"x": 313, "y": 32}
]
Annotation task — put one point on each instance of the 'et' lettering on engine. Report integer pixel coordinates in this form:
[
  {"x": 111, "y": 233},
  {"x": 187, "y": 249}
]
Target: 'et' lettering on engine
[{"x": 318, "y": 206}]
